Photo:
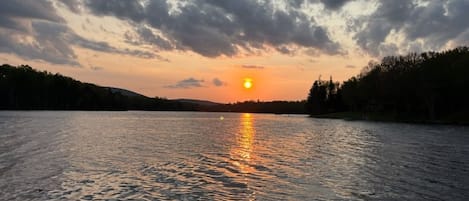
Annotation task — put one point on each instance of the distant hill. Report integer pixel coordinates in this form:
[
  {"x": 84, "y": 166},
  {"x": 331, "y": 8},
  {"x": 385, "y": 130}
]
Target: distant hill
[
  {"x": 24, "y": 88},
  {"x": 125, "y": 92},
  {"x": 198, "y": 102}
]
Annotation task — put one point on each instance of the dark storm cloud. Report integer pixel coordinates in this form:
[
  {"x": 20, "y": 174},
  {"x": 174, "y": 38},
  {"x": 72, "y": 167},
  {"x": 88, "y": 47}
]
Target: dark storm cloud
[
  {"x": 186, "y": 84},
  {"x": 218, "y": 83},
  {"x": 435, "y": 22},
  {"x": 214, "y": 28},
  {"x": 33, "y": 30}
]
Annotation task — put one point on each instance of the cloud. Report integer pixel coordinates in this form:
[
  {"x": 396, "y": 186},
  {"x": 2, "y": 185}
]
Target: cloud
[
  {"x": 438, "y": 22},
  {"x": 350, "y": 66},
  {"x": 72, "y": 5},
  {"x": 14, "y": 10},
  {"x": 214, "y": 28},
  {"x": 33, "y": 30},
  {"x": 285, "y": 50},
  {"x": 44, "y": 36},
  {"x": 96, "y": 68},
  {"x": 388, "y": 16},
  {"x": 328, "y": 4},
  {"x": 334, "y": 4},
  {"x": 186, "y": 84},
  {"x": 52, "y": 43},
  {"x": 252, "y": 67},
  {"x": 145, "y": 35},
  {"x": 44, "y": 47},
  {"x": 217, "y": 82},
  {"x": 423, "y": 26},
  {"x": 16, "y": 19},
  {"x": 132, "y": 9}
]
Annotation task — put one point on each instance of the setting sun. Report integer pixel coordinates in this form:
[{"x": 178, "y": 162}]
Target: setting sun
[
  {"x": 247, "y": 83},
  {"x": 234, "y": 100}
]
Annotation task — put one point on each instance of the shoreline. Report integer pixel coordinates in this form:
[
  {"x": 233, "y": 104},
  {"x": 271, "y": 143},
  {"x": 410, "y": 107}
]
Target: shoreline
[
  {"x": 357, "y": 116},
  {"x": 347, "y": 116}
]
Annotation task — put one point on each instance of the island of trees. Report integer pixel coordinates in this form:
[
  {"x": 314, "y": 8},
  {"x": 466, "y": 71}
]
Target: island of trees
[{"x": 426, "y": 87}]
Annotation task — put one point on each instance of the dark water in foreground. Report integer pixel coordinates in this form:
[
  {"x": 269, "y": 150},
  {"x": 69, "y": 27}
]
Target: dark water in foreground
[{"x": 186, "y": 156}]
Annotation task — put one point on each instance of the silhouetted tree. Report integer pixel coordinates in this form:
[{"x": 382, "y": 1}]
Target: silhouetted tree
[
  {"x": 324, "y": 97},
  {"x": 430, "y": 85},
  {"x": 23, "y": 88}
]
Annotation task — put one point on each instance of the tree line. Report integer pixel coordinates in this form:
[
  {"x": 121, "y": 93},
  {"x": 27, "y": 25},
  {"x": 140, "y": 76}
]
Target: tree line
[
  {"x": 428, "y": 86},
  {"x": 276, "y": 107},
  {"x": 24, "y": 88}
]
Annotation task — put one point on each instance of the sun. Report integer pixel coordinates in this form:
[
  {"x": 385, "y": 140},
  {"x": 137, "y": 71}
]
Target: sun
[{"x": 247, "y": 83}]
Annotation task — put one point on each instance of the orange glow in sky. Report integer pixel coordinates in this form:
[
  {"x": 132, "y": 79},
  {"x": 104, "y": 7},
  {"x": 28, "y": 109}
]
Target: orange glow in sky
[{"x": 209, "y": 50}]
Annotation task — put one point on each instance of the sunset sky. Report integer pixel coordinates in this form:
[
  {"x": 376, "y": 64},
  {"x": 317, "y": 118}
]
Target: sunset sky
[{"x": 206, "y": 49}]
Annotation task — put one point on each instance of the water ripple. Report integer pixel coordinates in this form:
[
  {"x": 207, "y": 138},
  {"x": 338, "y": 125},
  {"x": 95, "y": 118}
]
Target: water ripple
[{"x": 191, "y": 156}]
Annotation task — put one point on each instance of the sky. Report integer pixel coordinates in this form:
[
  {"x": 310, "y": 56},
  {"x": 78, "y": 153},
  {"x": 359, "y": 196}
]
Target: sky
[{"x": 205, "y": 49}]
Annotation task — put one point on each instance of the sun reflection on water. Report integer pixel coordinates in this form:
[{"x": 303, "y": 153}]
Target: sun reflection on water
[{"x": 242, "y": 153}]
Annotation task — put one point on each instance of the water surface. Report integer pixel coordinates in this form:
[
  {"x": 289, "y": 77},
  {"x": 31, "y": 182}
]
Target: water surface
[{"x": 189, "y": 155}]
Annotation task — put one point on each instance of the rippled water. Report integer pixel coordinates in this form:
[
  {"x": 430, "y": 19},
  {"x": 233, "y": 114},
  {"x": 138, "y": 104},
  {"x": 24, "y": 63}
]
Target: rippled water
[{"x": 186, "y": 156}]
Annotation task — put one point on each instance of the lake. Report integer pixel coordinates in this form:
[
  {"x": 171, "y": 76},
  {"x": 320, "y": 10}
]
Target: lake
[{"x": 227, "y": 156}]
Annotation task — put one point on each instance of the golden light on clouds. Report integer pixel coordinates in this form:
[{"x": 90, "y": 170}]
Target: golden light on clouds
[{"x": 144, "y": 52}]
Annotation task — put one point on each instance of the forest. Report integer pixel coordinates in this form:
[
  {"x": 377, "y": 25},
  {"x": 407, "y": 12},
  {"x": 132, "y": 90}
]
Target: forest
[
  {"x": 427, "y": 87},
  {"x": 24, "y": 88}
]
